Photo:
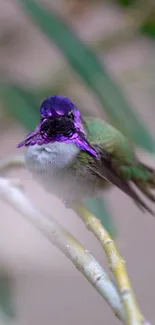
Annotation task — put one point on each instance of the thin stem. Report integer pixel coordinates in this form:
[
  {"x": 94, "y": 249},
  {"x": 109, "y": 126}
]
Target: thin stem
[
  {"x": 11, "y": 162},
  {"x": 117, "y": 265}
]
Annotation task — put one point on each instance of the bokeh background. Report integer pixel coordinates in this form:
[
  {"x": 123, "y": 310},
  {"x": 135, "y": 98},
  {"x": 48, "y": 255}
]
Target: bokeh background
[{"x": 38, "y": 285}]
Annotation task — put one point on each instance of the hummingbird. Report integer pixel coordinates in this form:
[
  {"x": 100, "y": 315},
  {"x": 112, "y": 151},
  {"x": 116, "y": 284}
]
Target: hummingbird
[{"x": 76, "y": 157}]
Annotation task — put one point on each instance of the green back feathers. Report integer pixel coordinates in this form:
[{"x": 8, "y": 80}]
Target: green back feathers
[{"x": 104, "y": 134}]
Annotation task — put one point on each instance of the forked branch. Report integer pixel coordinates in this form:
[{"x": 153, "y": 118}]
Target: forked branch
[{"x": 129, "y": 312}]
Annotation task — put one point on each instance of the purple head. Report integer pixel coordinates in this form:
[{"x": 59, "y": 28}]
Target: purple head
[
  {"x": 60, "y": 121},
  {"x": 55, "y": 106}
]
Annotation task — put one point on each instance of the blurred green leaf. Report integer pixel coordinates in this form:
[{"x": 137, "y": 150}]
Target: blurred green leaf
[
  {"x": 98, "y": 208},
  {"x": 6, "y": 297},
  {"x": 21, "y": 103},
  {"x": 126, "y": 3},
  {"x": 88, "y": 66},
  {"x": 148, "y": 27}
]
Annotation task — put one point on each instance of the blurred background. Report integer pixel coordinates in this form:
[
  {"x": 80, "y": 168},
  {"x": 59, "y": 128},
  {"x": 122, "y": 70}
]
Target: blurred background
[{"x": 102, "y": 55}]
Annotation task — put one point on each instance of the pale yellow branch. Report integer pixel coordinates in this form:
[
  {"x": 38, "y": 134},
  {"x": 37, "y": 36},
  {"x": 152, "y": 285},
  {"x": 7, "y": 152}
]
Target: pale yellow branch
[{"x": 117, "y": 265}]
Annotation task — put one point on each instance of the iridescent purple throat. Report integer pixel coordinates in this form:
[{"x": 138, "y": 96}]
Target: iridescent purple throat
[{"x": 77, "y": 138}]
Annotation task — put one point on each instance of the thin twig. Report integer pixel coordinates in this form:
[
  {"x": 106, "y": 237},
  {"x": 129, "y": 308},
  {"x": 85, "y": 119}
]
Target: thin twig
[
  {"x": 63, "y": 240},
  {"x": 116, "y": 263},
  {"x": 11, "y": 162}
]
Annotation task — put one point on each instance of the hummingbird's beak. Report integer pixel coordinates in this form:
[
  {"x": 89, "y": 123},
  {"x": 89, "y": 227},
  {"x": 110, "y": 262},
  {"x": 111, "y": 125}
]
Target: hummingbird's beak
[{"x": 31, "y": 139}]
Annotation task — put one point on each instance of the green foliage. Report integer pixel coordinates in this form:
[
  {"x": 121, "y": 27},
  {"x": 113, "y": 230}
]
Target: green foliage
[
  {"x": 126, "y": 3},
  {"x": 6, "y": 297},
  {"x": 89, "y": 68},
  {"x": 21, "y": 103},
  {"x": 149, "y": 26}
]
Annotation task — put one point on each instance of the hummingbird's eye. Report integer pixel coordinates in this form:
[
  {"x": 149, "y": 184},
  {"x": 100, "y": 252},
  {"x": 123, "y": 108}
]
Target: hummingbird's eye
[{"x": 71, "y": 115}]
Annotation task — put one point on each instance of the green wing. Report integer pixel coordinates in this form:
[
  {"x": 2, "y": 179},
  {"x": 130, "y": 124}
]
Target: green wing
[
  {"x": 123, "y": 157},
  {"x": 104, "y": 134}
]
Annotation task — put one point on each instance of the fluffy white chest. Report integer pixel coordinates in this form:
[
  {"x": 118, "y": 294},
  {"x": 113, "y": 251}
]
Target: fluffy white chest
[
  {"x": 55, "y": 156},
  {"x": 49, "y": 165},
  {"x": 52, "y": 166}
]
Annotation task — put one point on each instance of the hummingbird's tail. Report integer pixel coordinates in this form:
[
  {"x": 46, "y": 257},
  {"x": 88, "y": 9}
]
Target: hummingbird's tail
[
  {"x": 140, "y": 175},
  {"x": 138, "y": 201},
  {"x": 148, "y": 184}
]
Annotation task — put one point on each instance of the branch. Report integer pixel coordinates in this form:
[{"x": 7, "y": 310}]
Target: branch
[
  {"x": 82, "y": 259},
  {"x": 117, "y": 265},
  {"x": 63, "y": 240},
  {"x": 12, "y": 162}
]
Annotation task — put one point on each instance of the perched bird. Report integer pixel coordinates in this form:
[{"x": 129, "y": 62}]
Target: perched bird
[{"x": 76, "y": 157}]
